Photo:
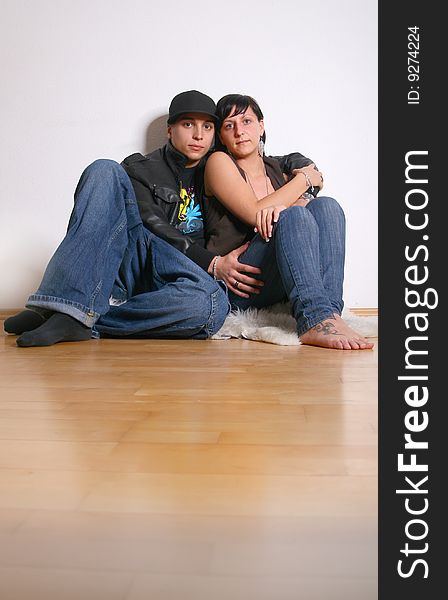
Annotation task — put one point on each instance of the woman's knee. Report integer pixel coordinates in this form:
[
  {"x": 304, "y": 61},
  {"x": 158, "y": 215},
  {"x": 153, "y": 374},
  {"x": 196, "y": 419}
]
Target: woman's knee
[
  {"x": 327, "y": 205},
  {"x": 295, "y": 216}
]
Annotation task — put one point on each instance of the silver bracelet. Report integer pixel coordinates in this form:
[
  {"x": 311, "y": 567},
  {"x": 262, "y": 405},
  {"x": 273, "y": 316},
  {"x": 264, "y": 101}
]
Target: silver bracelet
[
  {"x": 308, "y": 181},
  {"x": 214, "y": 266}
]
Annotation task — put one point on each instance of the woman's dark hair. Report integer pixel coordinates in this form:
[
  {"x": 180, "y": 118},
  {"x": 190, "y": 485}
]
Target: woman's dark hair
[{"x": 236, "y": 104}]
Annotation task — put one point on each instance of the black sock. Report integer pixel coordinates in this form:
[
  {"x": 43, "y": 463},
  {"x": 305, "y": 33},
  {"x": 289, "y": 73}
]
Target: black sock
[
  {"x": 27, "y": 320},
  {"x": 58, "y": 328}
]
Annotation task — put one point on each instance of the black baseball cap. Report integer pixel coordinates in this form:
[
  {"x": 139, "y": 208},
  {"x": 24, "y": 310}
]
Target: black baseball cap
[{"x": 191, "y": 102}]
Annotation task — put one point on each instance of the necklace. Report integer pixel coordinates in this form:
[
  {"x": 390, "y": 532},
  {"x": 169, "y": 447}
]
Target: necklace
[{"x": 250, "y": 183}]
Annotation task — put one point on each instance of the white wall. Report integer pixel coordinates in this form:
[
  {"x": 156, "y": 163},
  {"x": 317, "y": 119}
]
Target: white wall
[{"x": 89, "y": 78}]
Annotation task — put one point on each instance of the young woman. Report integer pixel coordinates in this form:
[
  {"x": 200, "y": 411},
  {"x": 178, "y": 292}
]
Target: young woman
[{"x": 299, "y": 250}]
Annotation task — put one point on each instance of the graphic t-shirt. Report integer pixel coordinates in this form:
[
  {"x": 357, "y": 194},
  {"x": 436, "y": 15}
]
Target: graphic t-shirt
[{"x": 189, "y": 217}]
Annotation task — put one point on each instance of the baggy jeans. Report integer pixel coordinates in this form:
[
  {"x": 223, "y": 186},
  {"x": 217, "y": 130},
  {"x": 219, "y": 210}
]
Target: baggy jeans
[{"x": 108, "y": 253}]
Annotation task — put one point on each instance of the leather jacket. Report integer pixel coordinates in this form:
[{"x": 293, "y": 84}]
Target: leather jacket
[{"x": 155, "y": 178}]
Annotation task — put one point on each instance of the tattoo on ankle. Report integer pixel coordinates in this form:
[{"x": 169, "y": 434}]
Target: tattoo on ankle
[{"x": 327, "y": 328}]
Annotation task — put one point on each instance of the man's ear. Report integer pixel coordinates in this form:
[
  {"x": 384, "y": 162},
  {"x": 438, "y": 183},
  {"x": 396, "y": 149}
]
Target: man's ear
[{"x": 168, "y": 132}]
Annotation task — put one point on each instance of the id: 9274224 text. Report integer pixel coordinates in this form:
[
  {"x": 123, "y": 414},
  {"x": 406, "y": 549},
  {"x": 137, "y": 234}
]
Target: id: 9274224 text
[{"x": 414, "y": 65}]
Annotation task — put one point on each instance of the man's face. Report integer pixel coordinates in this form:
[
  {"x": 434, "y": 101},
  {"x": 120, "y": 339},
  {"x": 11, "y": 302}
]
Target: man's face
[{"x": 192, "y": 134}]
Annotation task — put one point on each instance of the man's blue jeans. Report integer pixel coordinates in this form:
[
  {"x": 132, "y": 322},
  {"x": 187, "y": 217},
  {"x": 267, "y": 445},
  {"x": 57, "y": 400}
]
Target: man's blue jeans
[
  {"x": 107, "y": 252},
  {"x": 303, "y": 262}
]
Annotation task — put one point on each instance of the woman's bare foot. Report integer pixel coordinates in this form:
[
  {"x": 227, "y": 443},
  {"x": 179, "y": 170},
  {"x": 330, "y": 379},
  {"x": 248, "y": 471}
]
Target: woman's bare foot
[{"x": 335, "y": 333}]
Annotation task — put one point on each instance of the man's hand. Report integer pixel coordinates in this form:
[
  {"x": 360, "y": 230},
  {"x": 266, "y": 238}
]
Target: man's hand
[{"x": 235, "y": 274}]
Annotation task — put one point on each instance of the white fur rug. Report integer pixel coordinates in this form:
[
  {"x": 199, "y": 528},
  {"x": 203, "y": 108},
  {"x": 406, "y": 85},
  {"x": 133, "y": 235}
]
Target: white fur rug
[{"x": 275, "y": 325}]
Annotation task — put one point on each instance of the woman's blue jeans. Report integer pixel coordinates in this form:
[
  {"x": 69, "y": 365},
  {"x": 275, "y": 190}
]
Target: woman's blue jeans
[
  {"x": 108, "y": 253},
  {"x": 303, "y": 262}
]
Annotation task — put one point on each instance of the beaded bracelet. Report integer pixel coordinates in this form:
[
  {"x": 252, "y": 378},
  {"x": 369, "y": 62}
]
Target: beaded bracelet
[{"x": 214, "y": 266}]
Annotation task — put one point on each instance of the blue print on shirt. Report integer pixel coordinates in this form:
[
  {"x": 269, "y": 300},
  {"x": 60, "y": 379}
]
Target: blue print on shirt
[{"x": 190, "y": 215}]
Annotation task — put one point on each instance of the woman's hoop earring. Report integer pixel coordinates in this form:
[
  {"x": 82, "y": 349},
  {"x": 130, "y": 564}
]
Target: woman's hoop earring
[{"x": 261, "y": 148}]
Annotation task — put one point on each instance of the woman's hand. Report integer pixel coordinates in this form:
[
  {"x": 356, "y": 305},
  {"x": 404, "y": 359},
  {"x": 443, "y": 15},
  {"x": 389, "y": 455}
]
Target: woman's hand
[
  {"x": 235, "y": 274},
  {"x": 312, "y": 175},
  {"x": 266, "y": 217}
]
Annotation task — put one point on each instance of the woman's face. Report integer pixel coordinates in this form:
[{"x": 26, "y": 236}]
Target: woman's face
[{"x": 240, "y": 134}]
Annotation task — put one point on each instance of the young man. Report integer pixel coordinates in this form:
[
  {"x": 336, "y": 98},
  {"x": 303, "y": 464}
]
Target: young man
[{"x": 114, "y": 276}]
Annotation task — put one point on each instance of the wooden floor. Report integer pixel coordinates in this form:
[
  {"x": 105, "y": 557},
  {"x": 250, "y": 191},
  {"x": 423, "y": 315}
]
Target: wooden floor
[{"x": 187, "y": 470}]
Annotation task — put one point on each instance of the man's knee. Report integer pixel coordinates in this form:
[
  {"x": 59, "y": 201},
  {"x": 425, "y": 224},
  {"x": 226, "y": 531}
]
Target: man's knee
[
  {"x": 104, "y": 164},
  {"x": 103, "y": 168},
  {"x": 104, "y": 183}
]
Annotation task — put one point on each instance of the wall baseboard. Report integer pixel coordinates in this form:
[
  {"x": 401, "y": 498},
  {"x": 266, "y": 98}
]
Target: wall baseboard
[
  {"x": 365, "y": 312},
  {"x": 359, "y": 312}
]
